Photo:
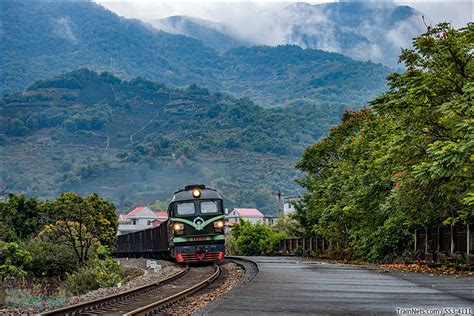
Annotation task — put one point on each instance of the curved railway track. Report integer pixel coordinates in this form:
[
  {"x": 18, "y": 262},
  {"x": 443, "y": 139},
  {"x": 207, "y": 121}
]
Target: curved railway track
[{"x": 147, "y": 299}]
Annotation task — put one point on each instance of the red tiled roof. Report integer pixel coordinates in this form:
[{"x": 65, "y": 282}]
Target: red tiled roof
[
  {"x": 162, "y": 214},
  {"x": 122, "y": 217},
  {"x": 248, "y": 212},
  {"x": 156, "y": 223},
  {"x": 136, "y": 211}
]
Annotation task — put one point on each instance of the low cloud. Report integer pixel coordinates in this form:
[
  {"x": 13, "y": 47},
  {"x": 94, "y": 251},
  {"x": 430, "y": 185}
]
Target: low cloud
[
  {"x": 309, "y": 26},
  {"x": 62, "y": 27}
]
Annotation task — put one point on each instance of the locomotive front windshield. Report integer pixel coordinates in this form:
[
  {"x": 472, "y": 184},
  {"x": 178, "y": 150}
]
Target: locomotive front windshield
[
  {"x": 209, "y": 207},
  {"x": 202, "y": 207},
  {"x": 186, "y": 208}
]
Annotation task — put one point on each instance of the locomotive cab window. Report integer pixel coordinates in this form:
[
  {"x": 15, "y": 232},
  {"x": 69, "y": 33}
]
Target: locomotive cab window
[
  {"x": 185, "y": 208},
  {"x": 209, "y": 207}
]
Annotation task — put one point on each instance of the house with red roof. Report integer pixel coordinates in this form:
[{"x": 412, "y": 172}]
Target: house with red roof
[
  {"x": 249, "y": 214},
  {"x": 162, "y": 216},
  {"x": 140, "y": 218}
]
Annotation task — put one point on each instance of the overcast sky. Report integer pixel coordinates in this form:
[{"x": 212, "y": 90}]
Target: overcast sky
[{"x": 459, "y": 12}]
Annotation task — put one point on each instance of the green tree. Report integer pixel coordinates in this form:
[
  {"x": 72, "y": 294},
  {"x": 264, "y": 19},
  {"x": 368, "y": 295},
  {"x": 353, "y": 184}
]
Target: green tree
[
  {"x": 51, "y": 257},
  {"x": 84, "y": 221},
  {"x": 258, "y": 239},
  {"x": 432, "y": 107},
  {"x": 405, "y": 163},
  {"x": 14, "y": 261},
  {"x": 21, "y": 217}
]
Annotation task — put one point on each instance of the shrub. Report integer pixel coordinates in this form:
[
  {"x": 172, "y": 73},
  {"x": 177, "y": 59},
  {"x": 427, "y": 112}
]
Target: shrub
[
  {"x": 256, "y": 239},
  {"x": 231, "y": 247},
  {"x": 51, "y": 259},
  {"x": 96, "y": 274},
  {"x": 298, "y": 251},
  {"x": 390, "y": 240},
  {"x": 6, "y": 232},
  {"x": 14, "y": 261}
]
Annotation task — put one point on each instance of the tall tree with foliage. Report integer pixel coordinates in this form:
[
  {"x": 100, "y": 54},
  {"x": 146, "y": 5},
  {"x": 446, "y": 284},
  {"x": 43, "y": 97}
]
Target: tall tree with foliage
[
  {"x": 406, "y": 162},
  {"x": 432, "y": 104},
  {"x": 84, "y": 222},
  {"x": 20, "y": 217}
]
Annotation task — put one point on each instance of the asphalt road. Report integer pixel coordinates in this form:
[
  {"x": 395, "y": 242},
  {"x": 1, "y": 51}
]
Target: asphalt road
[{"x": 287, "y": 286}]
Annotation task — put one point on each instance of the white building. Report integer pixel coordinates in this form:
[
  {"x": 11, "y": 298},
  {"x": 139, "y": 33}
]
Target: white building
[
  {"x": 252, "y": 215},
  {"x": 289, "y": 205},
  {"x": 270, "y": 220},
  {"x": 138, "y": 219}
]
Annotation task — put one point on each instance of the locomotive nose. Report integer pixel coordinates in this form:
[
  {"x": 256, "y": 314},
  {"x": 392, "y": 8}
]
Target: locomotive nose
[{"x": 200, "y": 250}]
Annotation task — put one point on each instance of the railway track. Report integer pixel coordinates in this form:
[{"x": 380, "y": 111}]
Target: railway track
[{"x": 147, "y": 299}]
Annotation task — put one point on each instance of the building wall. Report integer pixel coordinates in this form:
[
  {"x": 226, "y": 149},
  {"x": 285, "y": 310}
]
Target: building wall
[
  {"x": 253, "y": 220},
  {"x": 237, "y": 219},
  {"x": 140, "y": 221},
  {"x": 288, "y": 208}
]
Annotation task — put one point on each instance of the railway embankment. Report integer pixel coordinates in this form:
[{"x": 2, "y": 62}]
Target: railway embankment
[
  {"x": 139, "y": 273},
  {"x": 148, "y": 276},
  {"x": 234, "y": 275}
]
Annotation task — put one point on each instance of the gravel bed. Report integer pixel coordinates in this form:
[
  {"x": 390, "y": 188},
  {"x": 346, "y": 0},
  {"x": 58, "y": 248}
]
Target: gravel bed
[
  {"x": 148, "y": 276},
  {"x": 231, "y": 276}
]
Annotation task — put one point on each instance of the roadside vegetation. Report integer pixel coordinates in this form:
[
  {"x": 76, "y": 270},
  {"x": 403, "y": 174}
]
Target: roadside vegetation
[
  {"x": 53, "y": 249},
  {"x": 258, "y": 239},
  {"x": 404, "y": 163}
]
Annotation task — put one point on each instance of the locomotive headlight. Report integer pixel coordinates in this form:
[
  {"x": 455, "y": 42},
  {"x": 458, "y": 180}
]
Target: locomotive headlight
[
  {"x": 196, "y": 193},
  {"x": 178, "y": 227},
  {"x": 219, "y": 224}
]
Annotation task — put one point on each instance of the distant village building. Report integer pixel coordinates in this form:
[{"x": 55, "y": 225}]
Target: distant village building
[
  {"x": 289, "y": 205},
  {"x": 140, "y": 218},
  {"x": 270, "y": 220},
  {"x": 252, "y": 215},
  {"x": 162, "y": 216}
]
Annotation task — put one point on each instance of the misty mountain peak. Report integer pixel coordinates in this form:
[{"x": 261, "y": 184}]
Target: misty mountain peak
[{"x": 372, "y": 31}]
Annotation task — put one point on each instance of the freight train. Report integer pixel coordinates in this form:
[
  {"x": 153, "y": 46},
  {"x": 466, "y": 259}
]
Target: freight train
[{"x": 194, "y": 231}]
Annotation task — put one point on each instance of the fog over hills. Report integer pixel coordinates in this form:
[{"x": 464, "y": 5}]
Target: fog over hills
[
  {"x": 360, "y": 30},
  {"x": 211, "y": 34}
]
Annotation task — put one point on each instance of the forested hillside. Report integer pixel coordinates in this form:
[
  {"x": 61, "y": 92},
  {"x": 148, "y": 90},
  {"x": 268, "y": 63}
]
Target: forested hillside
[
  {"x": 45, "y": 39},
  {"x": 41, "y": 39},
  {"x": 405, "y": 163},
  {"x": 137, "y": 141},
  {"x": 290, "y": 75}
]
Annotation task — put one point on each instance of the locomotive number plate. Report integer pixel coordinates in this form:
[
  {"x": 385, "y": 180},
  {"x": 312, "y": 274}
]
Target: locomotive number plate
[{"x": 200, "y": 238}]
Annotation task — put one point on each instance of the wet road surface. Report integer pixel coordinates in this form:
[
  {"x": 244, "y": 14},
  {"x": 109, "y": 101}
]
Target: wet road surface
[{"x": 288, "y": 286}]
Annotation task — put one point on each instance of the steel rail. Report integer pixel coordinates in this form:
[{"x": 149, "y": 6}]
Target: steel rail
[
  {"x": 104, "y": 301},
  {"x": 153, "y": 307}
]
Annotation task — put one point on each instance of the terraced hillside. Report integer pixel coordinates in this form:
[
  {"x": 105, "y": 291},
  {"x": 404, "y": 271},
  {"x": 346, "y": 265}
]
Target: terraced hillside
[{"x": 137, "y": 141}]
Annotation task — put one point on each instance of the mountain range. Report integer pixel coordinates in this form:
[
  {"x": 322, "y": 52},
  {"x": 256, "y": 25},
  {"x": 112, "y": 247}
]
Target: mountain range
[
  {"x": 41, "y": 40},
  {"x": 94, "y": 102}
]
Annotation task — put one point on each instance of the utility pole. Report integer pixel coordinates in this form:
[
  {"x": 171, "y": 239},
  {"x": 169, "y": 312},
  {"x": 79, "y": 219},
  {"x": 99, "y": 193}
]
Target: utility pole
[{"x": 280, "y": 209}]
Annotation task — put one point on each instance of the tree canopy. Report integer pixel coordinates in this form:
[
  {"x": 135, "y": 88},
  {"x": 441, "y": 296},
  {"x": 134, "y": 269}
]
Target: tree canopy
[
  {"x": 406, "y": 162},
  {"x": 70, "y": 220}
]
